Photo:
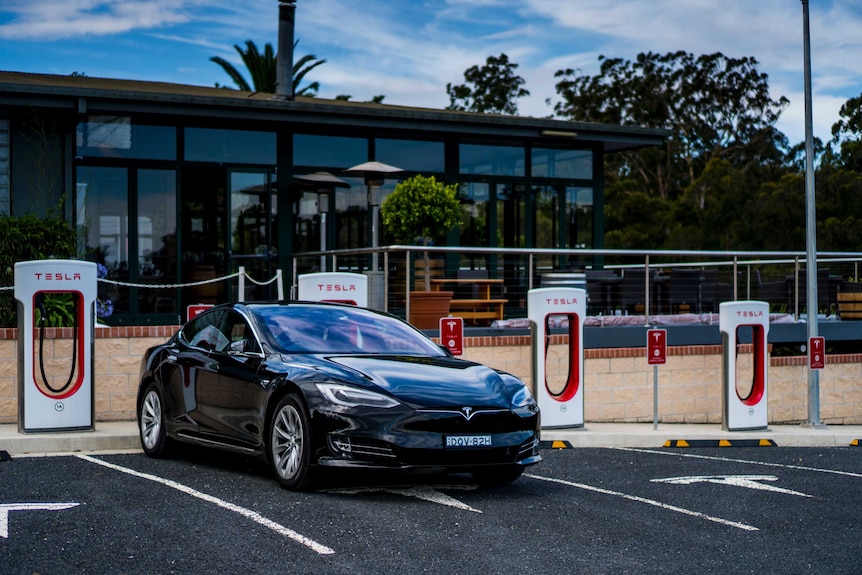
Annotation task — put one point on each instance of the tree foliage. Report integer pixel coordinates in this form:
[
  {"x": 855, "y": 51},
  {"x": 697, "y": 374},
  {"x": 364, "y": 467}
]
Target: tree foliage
[
  {"x": 29, "y": 238},
  {"x": 716, "y": 107},
  {"x": 263, "y": 70},
  {"x": 847, "y": 135},
  {"x": 421, "y": 210},
  {"x": 721, "y": 166},
  {"x": 489, "y": 89}
]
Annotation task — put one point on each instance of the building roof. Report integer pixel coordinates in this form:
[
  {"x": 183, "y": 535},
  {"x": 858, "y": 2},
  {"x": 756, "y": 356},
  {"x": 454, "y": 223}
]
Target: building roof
[{"x": 89, "y": 95}]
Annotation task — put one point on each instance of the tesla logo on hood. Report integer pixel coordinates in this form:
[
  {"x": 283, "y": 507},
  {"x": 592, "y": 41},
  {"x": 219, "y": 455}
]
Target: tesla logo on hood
[{"x": 467, "y": 412}]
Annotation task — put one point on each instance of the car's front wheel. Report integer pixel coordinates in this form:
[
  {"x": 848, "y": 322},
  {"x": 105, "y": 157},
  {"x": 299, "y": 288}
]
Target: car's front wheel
[
  {"x": 290, "y": 444},
  {"x": 151, "y": 423}
]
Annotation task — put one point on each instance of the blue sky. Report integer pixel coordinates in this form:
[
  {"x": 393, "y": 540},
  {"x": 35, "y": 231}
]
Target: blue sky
[{"x": 410, "y": 49}]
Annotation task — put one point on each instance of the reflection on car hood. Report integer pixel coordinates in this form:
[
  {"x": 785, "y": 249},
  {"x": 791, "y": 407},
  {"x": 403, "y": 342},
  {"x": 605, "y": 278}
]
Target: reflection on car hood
[{"x": 433, "y": 381}]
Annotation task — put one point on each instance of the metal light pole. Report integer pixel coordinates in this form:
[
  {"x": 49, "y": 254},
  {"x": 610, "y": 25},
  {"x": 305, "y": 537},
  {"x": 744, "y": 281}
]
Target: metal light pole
[{"x": 810, "y": 229}]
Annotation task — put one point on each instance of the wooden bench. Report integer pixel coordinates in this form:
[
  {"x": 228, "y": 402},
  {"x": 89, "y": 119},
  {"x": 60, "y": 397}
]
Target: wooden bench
[
  {"x": 475, "y": 309},
  {"x": 481, "y": 307}
]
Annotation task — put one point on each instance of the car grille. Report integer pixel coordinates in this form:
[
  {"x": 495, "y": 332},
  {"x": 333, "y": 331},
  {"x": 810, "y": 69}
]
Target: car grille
[{"x": 455, "y": 421}]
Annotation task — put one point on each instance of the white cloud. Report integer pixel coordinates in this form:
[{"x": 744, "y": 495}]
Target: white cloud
[{"x": 410, "y": 49}]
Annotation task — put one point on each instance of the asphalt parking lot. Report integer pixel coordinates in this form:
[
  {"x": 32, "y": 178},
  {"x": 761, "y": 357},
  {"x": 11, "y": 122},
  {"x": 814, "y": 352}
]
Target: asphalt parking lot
[{"x": 583, "y": 510}]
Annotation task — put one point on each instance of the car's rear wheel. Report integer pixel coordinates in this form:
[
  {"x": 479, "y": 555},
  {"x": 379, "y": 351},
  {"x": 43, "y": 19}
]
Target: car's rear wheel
[
  {"x": 497, "y": 475},
  {"x": 290, "y": 444},
  {"x": 151, "y": 423}
]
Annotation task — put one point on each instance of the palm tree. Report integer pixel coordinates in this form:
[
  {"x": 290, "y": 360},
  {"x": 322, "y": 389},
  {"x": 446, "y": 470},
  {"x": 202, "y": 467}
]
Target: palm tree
[{"x": 263, "y": 70}]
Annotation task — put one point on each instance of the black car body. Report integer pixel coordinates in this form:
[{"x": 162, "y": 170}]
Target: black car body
[{"x": 310, "y": 385}]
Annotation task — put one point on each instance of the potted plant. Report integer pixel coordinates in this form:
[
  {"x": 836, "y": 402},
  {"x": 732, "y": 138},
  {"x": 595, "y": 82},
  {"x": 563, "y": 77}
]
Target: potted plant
[{"x": 421, "y": 211}]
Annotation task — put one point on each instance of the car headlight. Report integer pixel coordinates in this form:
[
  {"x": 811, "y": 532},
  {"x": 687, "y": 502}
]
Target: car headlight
[
  {"x": 523, "y": 397},
  {"x": 354, "y": 396}
]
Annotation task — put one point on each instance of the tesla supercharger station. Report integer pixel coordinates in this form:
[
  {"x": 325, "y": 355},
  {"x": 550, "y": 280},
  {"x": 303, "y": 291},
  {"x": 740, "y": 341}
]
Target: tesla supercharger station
[
  {"x": 563, "y": 407},
  {"x": 743, "y": 401},
  {"x": 55, "y": 393},
  {"x": 338, "y": 287}
]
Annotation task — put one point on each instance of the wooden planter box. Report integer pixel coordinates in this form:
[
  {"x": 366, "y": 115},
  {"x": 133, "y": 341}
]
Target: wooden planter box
[{"x": 427, "y": 307}]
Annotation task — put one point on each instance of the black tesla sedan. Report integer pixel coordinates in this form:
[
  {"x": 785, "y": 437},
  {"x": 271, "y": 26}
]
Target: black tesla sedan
[{"x": 311, "y": 385}]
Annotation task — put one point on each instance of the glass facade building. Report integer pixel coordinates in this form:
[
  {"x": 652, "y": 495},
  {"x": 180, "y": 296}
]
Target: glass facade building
[{"x": 174, "y": 185}]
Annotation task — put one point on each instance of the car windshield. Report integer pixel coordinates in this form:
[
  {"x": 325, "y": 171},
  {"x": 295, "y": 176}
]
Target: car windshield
[{"x": 298, "y": 328}]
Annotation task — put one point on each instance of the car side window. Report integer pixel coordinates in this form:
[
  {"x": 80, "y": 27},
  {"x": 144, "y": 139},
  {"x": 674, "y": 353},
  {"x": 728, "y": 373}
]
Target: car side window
[
  {"x": 238, "y": 335},
  {"x": 203, "y": 331}
]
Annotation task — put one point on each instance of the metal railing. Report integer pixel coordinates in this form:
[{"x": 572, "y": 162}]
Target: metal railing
[{"x": 740, "y": 274}]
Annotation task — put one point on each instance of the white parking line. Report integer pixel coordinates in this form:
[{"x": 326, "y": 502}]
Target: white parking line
[
  {"x": 764, "y": 463},
  {"x": 647, "y": 501},
  {"x": 424, "y": 492},
  {"x": 253, "y": 515}
]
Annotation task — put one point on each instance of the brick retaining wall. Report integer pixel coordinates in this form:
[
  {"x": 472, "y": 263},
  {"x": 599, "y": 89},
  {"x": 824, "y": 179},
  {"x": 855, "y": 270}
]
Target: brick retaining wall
[{"x": 618, "y": 383}]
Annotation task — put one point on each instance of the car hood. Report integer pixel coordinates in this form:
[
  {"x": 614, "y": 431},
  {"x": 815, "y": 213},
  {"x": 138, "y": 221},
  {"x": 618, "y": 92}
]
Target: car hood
[{"x": 434, "y": 381}]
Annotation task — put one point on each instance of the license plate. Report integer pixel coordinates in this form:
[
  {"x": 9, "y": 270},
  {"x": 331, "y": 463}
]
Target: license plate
[{"x": 456, "y": 441}]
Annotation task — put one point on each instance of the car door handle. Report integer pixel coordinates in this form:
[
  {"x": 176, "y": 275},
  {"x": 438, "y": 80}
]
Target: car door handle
[{"x": 213, "y": 366}]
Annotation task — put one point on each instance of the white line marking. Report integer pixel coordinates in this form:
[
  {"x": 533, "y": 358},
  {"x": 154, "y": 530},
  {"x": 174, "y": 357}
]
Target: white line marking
[
  {"x": 749, "y": 481},
  {"x": 767, "y": 464},
  {"x": 5, "y": 508},
  {"x": 423, "y": 492},
  {"x": 253, "y": 515},
  {"x": 648, "y": 502}
]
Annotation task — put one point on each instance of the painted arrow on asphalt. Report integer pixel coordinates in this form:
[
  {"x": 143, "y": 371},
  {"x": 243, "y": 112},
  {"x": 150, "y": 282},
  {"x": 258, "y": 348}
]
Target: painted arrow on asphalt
[
  {"x": 5, "y": 508},
  {"x": 749, "y": 481}
]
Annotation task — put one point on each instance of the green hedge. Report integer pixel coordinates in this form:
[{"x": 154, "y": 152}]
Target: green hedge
[{"x": 29, "y": 238}]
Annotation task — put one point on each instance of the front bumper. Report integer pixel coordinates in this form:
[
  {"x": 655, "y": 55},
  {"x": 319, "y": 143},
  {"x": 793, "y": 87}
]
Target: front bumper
[{"x": 418, "y": 441}]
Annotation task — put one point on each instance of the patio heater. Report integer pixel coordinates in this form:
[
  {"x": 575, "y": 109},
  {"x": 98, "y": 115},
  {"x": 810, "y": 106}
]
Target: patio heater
[
  {"x": 323, "y": 184},
  {"x": 375, "y": 174}
]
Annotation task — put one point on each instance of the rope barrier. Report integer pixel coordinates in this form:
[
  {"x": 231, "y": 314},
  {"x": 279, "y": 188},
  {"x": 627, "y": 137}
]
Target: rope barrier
[
  {"x": 172, "y": 286},
  {"x": 181, "y": 285}
]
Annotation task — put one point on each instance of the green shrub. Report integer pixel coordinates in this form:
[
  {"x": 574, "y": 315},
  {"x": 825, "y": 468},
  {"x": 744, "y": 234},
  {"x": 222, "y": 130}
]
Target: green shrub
[{"x": 28, "y": 238}]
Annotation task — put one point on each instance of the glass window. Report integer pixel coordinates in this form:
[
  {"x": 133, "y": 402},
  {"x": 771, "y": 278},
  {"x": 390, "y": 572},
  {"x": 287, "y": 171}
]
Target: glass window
[
  {"x": 230, "y": 146},
  {"x": 411, "y": 155},
  {"x": 203, "y": 331},
  {"x": 329, "y": 151},
  {"x": 117, "y": 137},
  {"x": 571, "y": 164},
  {"x": 102, "y": 214},
  {"x": 511, "y": 218},
  {"x": 249, "y": 221},
  {"x": 5, "y": 189},
  {"x": 491, "y": 160},
  {"x": 579, "y": 218},
  {"x": 157, "y": 239},
  {"x": 475, "y": 207}
]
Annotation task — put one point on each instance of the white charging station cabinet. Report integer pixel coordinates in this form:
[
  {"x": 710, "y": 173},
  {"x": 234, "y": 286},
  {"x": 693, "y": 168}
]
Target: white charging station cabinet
[
  {"x": 337, "y": 287},
  {"x": 564, "y": 407},
  {"x": 744, "y": 398},
  {"x": 55, "y": 393}
]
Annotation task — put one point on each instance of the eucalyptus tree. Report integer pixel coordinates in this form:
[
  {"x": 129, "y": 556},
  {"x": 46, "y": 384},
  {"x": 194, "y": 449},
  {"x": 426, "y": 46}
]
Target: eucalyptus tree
[
  {"x": 715, "y": 107},
  {"x": 847, "y": 135},
  {"x": 262, "y": 69},
  {"x": 491, "y": 89},
  {"x": 721, "y": 122}
]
